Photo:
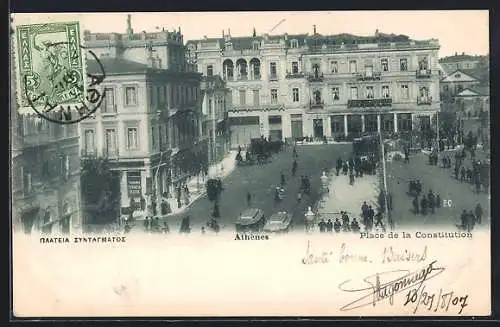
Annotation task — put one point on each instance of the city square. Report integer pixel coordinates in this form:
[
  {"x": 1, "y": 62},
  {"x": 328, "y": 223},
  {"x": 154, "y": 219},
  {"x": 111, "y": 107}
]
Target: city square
[{"x": 178, "y": 115}]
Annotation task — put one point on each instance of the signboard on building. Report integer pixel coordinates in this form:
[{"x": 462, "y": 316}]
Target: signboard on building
[{"x": 134, "y": 186}]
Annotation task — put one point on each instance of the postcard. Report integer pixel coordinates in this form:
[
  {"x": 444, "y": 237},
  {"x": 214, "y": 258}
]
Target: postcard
[{"x": 237, "y": 164}]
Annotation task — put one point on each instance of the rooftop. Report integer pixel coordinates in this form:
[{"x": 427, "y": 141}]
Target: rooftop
[
  {"x": 315, "y": 40},
  {"x": 115, "y": 66},
  {"x": 460, "y": 57}
]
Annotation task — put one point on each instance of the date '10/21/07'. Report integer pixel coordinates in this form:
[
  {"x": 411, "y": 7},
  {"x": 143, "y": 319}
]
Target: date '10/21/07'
[{"x": 441, "y": 301}]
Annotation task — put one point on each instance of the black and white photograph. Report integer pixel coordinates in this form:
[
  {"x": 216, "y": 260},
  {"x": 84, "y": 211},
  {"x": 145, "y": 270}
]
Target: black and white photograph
[{"x": 323, "y": 163}]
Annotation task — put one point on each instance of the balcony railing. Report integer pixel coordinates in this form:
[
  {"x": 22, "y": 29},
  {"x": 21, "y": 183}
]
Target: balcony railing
[
  {"x": 256, "y": 107},
  {"x": 110, "y": 153},
  {"x": 294, "y": 75},
  {"x": 315, "y": 77},
  {"x": 369, "y": 103},
  {"x": 242, "y": 78},
  {"x": 88, "y": 153},
  {"x": 424, "y": 100},
  {"x": 273, "y": 77},
  {"x": 317, "y": 104},
  {"x": 256, "y": 77},
  {"x": 423, "y": 73},
  {"x": 369, "y": 77}
]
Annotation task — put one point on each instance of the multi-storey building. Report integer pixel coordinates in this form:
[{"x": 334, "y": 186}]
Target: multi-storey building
[
  {"x": 215, "y": 105},
  {"x": 312, "y": 85},
  {"x": 151, "y": 113},
  {"x": 45, "y": 173},
  {"x": 460, "y": 61}
]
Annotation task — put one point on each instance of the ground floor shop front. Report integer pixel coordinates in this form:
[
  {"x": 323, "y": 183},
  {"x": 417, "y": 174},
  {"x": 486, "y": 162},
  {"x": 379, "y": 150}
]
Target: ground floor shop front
[{"x": 280, "y": 125}]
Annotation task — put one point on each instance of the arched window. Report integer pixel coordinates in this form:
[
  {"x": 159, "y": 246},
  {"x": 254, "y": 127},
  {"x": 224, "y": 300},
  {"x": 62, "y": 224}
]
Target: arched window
[
  {"x": 316, "y": 70},
  {"x": 210, "y": 70}
]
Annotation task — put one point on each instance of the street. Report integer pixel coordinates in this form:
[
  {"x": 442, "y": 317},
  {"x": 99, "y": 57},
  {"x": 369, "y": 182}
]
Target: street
[
  {"x": 440, "y": 181},
  {"x": 260, "y": 181}
]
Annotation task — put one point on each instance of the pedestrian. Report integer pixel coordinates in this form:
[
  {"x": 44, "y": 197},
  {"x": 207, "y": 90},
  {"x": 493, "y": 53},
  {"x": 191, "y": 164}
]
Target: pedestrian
[
  {"x": 355, "y": 226},
  {"x": 463, "y": 220},
  {"x": 299, "y": 196},
  {"x": 202, "y": 230},
  {"x": 462, "y": 174},
  {"x": 479, "y": 213},
  {"x": 438, "y": 201},
  {"x": 423, "y": 205},
  {"x": 471, "y": 219},
  {"x": 345, "y": 168},
  {"x": 338, "y": 166},
  {"x": 282, "y": 179},
  {"x": 294, "y": 167},
  {"x": 415, "y": 205},
  {"x": 336, "y": 225},
  {"x": 249, "y": 198},
  {"x": 127, "y": 227},
  {"x": 371, "y": 214},
  {"x": 166, "y": 229},
  {"x": 146, "y": 223},
  {"x": 322, "y": 226},
  {"x": 378, "y": 220},
  {"x": 329, "y": 226},
  {"x": 157, "y": 224},
  {"x": 431, "y": 201},
  {"x": 351, "y": 178}
]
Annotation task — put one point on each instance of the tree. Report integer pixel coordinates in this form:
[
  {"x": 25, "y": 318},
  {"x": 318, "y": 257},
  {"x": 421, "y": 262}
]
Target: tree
[
  {"x": 447, "y": 124},
  {"x": 100, "y": 190}
]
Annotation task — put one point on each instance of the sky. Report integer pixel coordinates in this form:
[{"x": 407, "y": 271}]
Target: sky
[{"x": 457, "y": 30}]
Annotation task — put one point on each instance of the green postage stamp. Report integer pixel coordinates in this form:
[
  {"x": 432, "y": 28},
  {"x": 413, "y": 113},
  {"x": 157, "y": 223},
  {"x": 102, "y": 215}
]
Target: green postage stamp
[{"x": 51, "y": 65}]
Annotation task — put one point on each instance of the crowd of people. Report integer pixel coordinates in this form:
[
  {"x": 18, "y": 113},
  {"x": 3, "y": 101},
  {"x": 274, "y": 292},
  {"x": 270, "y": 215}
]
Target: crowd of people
[
  {"x": 469, "y": 219},
  {"x": 356, "y": 167},
  {"x": 423, "y": 203},
  {"x": 346, "y": 225}
]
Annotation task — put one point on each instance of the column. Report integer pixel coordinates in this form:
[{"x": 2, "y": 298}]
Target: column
[
  {"x": 395, "y": 122},
  {"x": 327, "y": 130},
  {"x": 378, "y": 123},
  {"x": 345, "y": 125},
  {"x": 362, "y": 123}
]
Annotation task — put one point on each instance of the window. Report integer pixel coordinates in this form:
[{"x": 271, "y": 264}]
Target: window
[
  {"x": 384, "y": 64},
  {"x": 294, "y": 44},
  {"x": 369, "y": 92},
  {"x": 130, "y": 96},
  {"x": 423, "y": 63},
  {"x": 354, "y": 93},
  {"x": 457, "y": 75},
  {"x": 132, "y": 142},
  {"x": 89, "y": 141},
  {"x": 110, "y": 141},
  {"x": 385, "y": 91},
  {"x": 210, "y": 106},
  {"x": 445, "y": 88},
  {"x": 295, "y": 94},
  {"x": 255, "y": 45},
  {"x": 335, "y": 94},
  {"x": 369, "y": 71},
  {"x": 27, "y": 181},
  {"x": 153, "y": 137},
  {"x": 295, "y": 67},
  {"x": 272, "y": 68},
  {"x": 109, "y": 101},
  {"x": 242, "y": 97},
  {"x": 405, "y": 92},
  {"x": 256, "y": 97},
  {"x": 274, "y": 96},
  {"x": 317, "y": 97},
  {"x": 334, "y": 67},
  {"x": 353, "y": 67},
  {"x": 403, "y": 64},
  {"x": 229, "y": 47},
  {"x": 210, "y": 70}
]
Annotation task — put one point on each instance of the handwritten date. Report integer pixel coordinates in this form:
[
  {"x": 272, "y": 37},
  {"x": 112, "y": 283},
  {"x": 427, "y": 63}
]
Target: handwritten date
[{"x": 441, "y": 301}]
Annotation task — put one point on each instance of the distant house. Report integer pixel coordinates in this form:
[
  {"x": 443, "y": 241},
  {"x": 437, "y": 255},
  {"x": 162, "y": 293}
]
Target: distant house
[
  {"x": 473, "y": 100},
  {"x": 452, "y": 84},
  {"x": 461, "y": 61}
]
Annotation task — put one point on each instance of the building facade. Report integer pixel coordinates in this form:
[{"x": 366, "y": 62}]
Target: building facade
[
  {"x": 151, "y": 113},
  {"x": 291, "y": 86},
  {"x": 45, "y": 173},
  {"x": 215, "y": 106},
  {"x": 461, "y": 61}
]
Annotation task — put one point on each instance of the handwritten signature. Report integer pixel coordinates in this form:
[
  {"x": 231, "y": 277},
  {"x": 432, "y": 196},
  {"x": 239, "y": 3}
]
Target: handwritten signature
[
  {"x": 378, "y": 291},
  {"x": 443, "y": 300}
]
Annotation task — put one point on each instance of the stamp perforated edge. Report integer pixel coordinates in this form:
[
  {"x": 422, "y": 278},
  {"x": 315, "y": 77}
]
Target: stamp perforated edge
[{"x": 15, "y": 23}]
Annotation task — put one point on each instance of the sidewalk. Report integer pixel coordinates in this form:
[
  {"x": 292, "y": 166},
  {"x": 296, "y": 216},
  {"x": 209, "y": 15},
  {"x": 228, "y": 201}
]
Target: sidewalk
[
  {"x": 196, "y": 184},
  {"x": 345, "y": 197}
]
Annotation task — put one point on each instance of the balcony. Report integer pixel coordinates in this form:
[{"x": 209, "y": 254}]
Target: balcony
[
  {"x": 369, "y": 76},
  {"x": 317, "y": 104},
  {"x": 88, "y": 153},
  {"x": 242, "y": 78},
  {"x": 257, "y": 107},
  {"x": 110, "y": 153},
  {"x": 315, "y": 77},
  {"x": 369, "y": 103},
  {"x": 424, "y": 73},
  {"x": 426, "y": 100},
  {"x": 273, "y": 77},
  {"x": 294, "y": 75}
]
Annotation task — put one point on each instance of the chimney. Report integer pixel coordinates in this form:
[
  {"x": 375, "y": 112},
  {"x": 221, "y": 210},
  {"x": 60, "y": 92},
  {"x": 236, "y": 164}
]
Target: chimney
[
  {"x": 463, "y": 53},
  {"x": 223, "y": 34},
  {"x": 254, "y": 32},
  {"x": 314, "y": 28},
  {"x": 229, "y": 31}
]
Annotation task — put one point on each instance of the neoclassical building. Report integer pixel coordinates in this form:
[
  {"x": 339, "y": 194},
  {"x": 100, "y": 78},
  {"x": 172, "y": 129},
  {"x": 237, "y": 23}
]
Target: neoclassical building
[{"x": 290, "y": 86}]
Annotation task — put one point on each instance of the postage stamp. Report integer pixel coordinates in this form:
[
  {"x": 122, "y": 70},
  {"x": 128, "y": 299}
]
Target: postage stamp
[{"x": 51, "y": 65}]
